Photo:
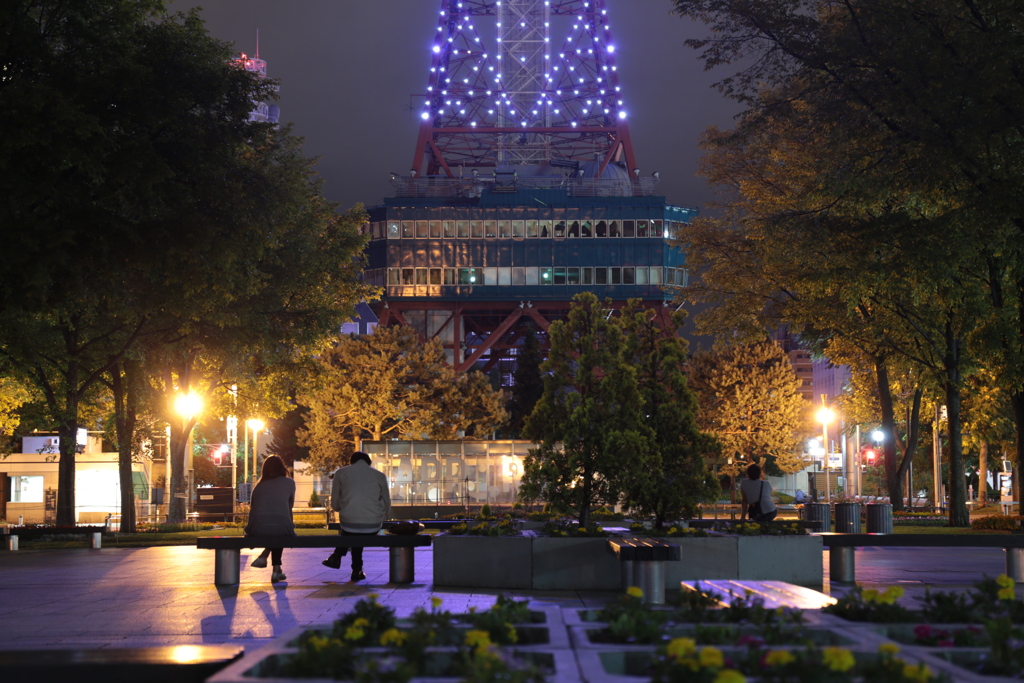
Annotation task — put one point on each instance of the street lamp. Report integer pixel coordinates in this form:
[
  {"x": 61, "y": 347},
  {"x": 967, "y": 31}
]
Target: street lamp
[
  {"x": 256, "y": 425},
  {"x": 825, "y": 416},
  {"x": 188, "y": 406}
]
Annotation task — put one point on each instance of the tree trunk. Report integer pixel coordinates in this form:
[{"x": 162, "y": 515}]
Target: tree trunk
[
  {"x": 68, "y": 433},
  {"x": 125, "y": 417},
  {"x": 958, "y": 515},
  {"x": 585, "y": 501},
  {"x": 177, "y": 505},
  {"x": 893, "y": 471},
  {"x": 983, "y": 473},
  {"x": 1017, "y": 400}
]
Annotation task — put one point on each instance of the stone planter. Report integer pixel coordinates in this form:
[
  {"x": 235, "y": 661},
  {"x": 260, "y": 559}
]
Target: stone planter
[
  {"x": 588, "y": 564},
  {"x": 583, "y": 636}
]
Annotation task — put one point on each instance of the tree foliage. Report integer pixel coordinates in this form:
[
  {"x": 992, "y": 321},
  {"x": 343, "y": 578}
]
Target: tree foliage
[
  {"x": 748, "y": 397},
  {"x": 528, "y": 382},
  {"x": 389, "y": 385}
]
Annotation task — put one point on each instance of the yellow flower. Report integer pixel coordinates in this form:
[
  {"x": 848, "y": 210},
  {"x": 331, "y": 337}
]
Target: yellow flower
[
  {"x": 870, "y": 595},
  {"x": 361, "y": 622},
  {"x": 435, "y": 601},
  {"x": 1004, "y": 581},
  {"x": 476, "y": 638},
  {"x": 472, "y": 609},
  {"x": 1006, "y": 594},
  {"x": 918, "y": 673},
  {"x": 372, "y": 597},
  {"x": 889, "y": 649},
  {"x": 393, "y": 637},
  {"x": 730, "y": 676},
  {"x": 354, "y": 633},
  {"x": 837, "y": 658},
  {"x": 711, "y": 657},
  {"x": 681, "y": 647},
  {"x": 634, "y": 592},
  {"x": 891, "y": 595},
  {"x": 318, "y": 642},
  {"x": 778, "y": 658}
]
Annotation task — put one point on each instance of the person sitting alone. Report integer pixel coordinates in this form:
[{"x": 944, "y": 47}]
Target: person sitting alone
[{"x": 757, "y": 492}]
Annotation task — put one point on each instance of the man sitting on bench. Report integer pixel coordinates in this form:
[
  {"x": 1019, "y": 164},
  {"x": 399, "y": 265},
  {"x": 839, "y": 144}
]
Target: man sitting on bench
[{"x": 360, "y": 495}]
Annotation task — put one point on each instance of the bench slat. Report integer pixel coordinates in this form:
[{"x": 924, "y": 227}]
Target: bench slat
[
  {"x": 644, "y": 550},
  {"x": 774, "y": 593},
  {"x": 240, "y": 542},
  {"x": 840, "y": 540}
]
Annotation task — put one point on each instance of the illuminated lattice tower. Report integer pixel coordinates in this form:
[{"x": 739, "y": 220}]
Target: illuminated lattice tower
[{"x": 524, "y": 189}]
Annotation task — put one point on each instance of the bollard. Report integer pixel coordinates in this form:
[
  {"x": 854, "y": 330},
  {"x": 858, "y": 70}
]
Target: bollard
[
  {"x": 879, "y": 518},
  {"x": 401, "y": 565},
  {"x": 12, "y": 542},
  {"x": 651, "y": 579},
  {"x": 1015, "y": 564},
  {"x": 848, "y": 518},
  {"x": 96, "y": 540},
  {"x": 819, "y": 512}
]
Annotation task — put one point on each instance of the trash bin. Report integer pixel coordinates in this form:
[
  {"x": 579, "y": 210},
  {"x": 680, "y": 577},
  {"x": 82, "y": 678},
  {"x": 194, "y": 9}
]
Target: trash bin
[
  {"x": 848, "y": 518},
  {"x": 818, "y": 512},
  {"x": 879, "y": 518}
]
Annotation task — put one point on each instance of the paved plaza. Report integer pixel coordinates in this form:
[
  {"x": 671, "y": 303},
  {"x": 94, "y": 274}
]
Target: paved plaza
[{"x": 138, "y": 597}]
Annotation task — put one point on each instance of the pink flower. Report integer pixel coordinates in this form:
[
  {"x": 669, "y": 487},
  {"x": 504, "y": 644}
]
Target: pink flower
[{"x": 922, "y": 631}]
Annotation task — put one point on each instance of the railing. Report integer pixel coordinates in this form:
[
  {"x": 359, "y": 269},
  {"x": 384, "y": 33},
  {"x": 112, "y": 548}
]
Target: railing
[{"x": 474, "y": 187}]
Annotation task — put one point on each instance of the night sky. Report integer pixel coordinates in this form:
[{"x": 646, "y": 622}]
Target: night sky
[{"x": 349, "y": 70}]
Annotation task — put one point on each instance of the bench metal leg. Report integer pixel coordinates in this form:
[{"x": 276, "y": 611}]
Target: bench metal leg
[
  {"x": 401, "y": 565},
  {"x": 225, "y": 567},
  {"x": 627, "y": 575},
  {"x": 650, "y": 577},
  {"x": 1015, "y": 564},
  {"x": 841, "y": 566}
]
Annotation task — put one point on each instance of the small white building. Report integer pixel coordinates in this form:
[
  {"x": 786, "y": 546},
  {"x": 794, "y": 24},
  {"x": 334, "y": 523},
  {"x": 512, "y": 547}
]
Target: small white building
[{"x": 30, "y": 480}]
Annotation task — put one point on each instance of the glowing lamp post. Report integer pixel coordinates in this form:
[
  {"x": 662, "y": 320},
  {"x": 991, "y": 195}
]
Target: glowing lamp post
[
  {"x": 256, "y": 425},
  {"x": 825, "y": 416},
  {"x": 187, "y": 406}
]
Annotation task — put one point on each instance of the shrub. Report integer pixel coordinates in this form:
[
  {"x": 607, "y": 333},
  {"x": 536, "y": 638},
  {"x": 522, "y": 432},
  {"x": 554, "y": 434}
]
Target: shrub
[
  {"x": 998, "y": 523},
  {"x": 314, "y": 499}
]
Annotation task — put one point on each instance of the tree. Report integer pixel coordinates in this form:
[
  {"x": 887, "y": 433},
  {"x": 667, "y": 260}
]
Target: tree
[
  {"x": 677, "y": 478},
  {"x": 927, "y": 92},
  {"x": 528, "y": 382},
  {"x": 748, "y": 397},
  {"x": 390, "y": 384},
  {"x": 13, "y": 395},
  {"x": 594, "y": 440}
]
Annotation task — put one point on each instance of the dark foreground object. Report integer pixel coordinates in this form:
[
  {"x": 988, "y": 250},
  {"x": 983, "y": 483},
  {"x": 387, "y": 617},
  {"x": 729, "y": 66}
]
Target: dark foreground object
[
  {"x": 643, "y": 564},
  {"x": 228, "y": 551},
  {"x": 172, "y": 664}
]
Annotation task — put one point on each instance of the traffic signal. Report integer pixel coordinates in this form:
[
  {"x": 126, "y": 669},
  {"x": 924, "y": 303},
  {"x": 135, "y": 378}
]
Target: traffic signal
[{"x": 870, "y": 456}]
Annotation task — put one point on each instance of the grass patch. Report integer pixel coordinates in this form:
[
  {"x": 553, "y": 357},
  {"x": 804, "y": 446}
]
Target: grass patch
[{"x": 905, "y": 529}]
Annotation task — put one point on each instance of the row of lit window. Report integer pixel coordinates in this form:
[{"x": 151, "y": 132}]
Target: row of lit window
[
  {"x": 511, "y": 277},
  {"x": 522, "y": 229}
]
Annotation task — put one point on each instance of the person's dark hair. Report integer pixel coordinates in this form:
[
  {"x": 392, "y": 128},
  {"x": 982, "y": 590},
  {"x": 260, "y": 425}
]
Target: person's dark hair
[
  {"x": 359, "y": 455},
  {"x": 273, "y": 467},
  {"x": 754, "y": 471}
]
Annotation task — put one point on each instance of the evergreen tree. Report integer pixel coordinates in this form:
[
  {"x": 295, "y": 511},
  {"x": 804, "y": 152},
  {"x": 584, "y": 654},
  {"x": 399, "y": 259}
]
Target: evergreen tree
[{"x": 528, "y": 382}]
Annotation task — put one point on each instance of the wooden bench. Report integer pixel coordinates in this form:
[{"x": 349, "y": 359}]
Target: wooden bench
[
  {"x": 774, "y": 594},
  {"x": 227, "y": 551},
  {"x": 643, "y": 564},
  {"x": 841, "y": 548}
]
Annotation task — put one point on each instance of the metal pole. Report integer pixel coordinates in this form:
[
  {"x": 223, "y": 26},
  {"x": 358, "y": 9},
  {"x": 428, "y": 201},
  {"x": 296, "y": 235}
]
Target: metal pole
[
  {"x": 245, "y": 457},
  {"x": 936, "y": 467},
  {"x": 824, "y": 440},
  {"x": 856, "y": 449}
]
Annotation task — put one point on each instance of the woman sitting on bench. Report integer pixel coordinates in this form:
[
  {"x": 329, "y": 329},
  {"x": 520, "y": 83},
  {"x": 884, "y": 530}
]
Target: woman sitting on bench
[{"x": 270, "y": 512}]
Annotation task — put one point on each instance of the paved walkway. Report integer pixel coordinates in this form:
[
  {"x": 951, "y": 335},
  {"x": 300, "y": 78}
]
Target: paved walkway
[{"x": 165, "y": 596}]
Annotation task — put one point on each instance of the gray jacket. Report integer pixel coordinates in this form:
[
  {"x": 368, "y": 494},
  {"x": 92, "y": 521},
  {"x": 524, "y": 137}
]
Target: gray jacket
[{"x": 360, "y": 495}]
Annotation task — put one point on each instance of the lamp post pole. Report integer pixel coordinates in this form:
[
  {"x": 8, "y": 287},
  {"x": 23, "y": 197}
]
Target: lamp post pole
[
  {"x": 256, "y": 425},
  {"x": 825, "y": 415}
]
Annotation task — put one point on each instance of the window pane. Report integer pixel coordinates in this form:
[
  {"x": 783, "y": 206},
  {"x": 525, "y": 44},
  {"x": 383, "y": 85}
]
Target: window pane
[
  {"x": 435, "y": 229},
  {"x": 627, "y": 228},
  {"x": 559, "y": 276},
  {"x": 600, "y": 276},
  {"x": 602, "y": 229},
  {"x": 613, "y": 229},
  {"x": 504, "y": 228},
  {"x": 572, "y": 276},
  {"x": 616, "y": 278},
  {"x": 407, "y": 228},
  {"x": 656, "y": 276},
  {"x": 435, "y": 276},
  {"x": 421, "y": 276},
  {"x": 641, "y": 275},
  {"x": 545, "y": 229},
  {"x": 449, "y": 228},
  {"x": 574, "y": 229},
  {"x": 587, "y": 276},
  {"x": 394, "y": 276},
  {"x": 627, "y": 276},
  {"x": 559, "y": 228},
  {"x": 519, "y": 276},
  {"x": 394, "y": 230},
  {"x": 586, "y": 229},
  {"x": 27, "y": 489},
  {"x": 532, "y": 276},
  {"x": 656, "y": 229},
  {"x": 451, "y": 276},
  {"x": 422, "y": 229},
  {"x": 490, "y": 276},
  {"x": 519, "y": 228},
  {"x": 545, "y": 276},
  {"x": 504, "y": 276},
  {"x": 532, "y": 228},
  {"x": 477, "y": 228},
  {"x": 463, "y": 228},
  {"x": 641, "y": 228},
  {"x": 407, "y": 276}
]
